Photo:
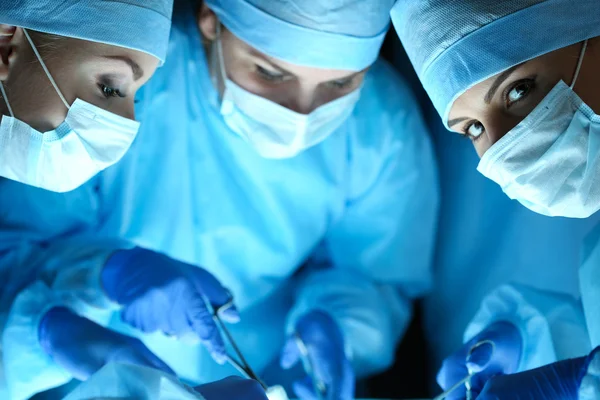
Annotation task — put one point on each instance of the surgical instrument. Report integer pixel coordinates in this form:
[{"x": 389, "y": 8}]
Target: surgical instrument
[
  {"x": 319, "y": 386},
  {"x": 466, "y": 381},
  {"x": 240, "y": 363}
]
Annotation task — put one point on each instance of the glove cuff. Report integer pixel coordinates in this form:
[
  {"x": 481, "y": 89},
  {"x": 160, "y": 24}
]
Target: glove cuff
[
  {"x": 112, "y": 272},
  {"x": 45, "y": 329},
  {"x": 80, "y": 284},
  {"x": 541, "y": 317},
  {"x": 589, "y": 381}
]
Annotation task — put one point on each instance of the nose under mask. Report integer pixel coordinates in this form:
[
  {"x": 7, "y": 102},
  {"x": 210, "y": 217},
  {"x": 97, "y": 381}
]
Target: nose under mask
[
  {"x": 271, "y": 129},
  {"x": 88, "y": 141}
]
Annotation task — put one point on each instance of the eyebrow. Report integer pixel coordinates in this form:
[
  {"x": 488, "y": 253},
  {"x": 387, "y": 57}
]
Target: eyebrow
[
  {"x": 349, "y": 77},
  {"x": 499, "y": 81},
  {"x": 138, "y": 72},
  {"x": 286, "y": 72},
  {"x": 491, "y": 92},
  {"x": 455, "y": 121},
  {"x": 271, "y": 63}
]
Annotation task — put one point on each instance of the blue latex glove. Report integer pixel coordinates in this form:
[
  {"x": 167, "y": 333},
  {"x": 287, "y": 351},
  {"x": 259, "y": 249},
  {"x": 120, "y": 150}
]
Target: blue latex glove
[
  {"x": 82, "y": 347},
  {"x": 557, "y": 381},
  {"x": 325, "y": 345},
  {"x": 161, "y": 294},
  {"x": 484, "y": 361},
  {"x": 232, "y": 388}
]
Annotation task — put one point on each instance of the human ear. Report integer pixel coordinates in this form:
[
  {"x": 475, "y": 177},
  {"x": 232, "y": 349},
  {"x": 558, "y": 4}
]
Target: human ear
[
  {"x": 207, "y": 22},
  {"x": 8, "y": 50}
]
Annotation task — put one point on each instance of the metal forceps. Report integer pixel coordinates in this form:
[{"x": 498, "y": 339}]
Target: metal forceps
[
  {"x": 240, "y": 362},
  {"x": 318, "y": 386},
  {"x": 466, "y": 381}
]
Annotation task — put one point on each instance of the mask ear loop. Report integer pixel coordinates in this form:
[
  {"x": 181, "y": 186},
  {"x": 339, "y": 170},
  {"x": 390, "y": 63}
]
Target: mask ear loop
[
  {"x": 579, "y": 64},
  {"x": 12, "y": 114},
  {"x": 39, "y": 57}
]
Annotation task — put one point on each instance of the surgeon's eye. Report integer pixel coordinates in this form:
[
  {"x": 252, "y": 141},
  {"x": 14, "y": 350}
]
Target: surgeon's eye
[
  {"x": 518, "y": 92},
  {"x": 342, "y": 83},
  {"x": 270, "y": 76},
  {"x": 109, "y": 92},
  {"x": 474, "y": 130}
]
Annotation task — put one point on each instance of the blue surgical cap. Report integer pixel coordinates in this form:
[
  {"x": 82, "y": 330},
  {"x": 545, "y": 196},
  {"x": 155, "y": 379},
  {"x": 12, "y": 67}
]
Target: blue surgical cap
[
  {"x": 455, "y": 44},
  {"x": 142, "y": 25},
  {"x": 331, "y": 34}
]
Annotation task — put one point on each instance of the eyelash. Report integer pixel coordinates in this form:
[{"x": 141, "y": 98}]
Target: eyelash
[
  {"x": 109, "y": 92},
  {"x": 342, "y": 84},
  {"x": 531, "y": 86},
  {"x": 466, "y": 131},
  {"x": 269, "y": 76}
]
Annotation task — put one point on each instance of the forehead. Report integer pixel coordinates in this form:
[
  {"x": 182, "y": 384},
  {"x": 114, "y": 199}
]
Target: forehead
[
  {"x": 102, "y": 49},
  {"x": 473, "y": 97},
  {"x": 98, "y": 55},
  {"x": 243, "y": 49}
]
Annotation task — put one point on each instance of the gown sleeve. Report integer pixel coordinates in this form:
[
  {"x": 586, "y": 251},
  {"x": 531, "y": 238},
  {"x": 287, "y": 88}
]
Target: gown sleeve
[{"x": 376, "y": 259}]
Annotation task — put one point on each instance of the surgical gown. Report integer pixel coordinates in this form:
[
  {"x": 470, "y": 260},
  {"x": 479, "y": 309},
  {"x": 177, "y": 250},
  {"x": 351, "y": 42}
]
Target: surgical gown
[
  {"x": 357, "y": 212},
  {"x": 589, "y": 275},
  {"x": 572, "y": 328}
]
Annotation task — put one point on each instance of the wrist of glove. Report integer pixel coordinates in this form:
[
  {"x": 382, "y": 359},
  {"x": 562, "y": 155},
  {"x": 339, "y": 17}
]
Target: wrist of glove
[
  {"x": 232, "y": 388},
  {"x": 557, "y": 381},
  {"x": 494, "y": 351},
  {"x": 319, "y": 344},
  {"x": 158, "y": 293},
  {"x": 82, "y": 347}
]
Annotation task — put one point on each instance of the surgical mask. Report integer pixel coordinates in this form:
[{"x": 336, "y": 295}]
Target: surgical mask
[
  {"x": 88, "y": 141},
  {"x": 550, "y": 162},
  {"x": 271, "y": 129}
]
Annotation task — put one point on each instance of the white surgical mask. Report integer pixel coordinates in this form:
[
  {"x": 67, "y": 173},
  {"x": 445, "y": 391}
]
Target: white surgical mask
[
  {"x": 90, "y": 140},
  {"x": 550, "y": 162},
  {"x": 273, "y": 130}
]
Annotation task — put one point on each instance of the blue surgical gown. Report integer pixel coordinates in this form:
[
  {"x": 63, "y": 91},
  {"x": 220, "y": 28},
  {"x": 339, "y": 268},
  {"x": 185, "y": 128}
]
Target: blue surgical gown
[
  {"x": 554, "y": 326},
  {"x": 357, "y": 212},
  {"x": 589, "y": 275}
]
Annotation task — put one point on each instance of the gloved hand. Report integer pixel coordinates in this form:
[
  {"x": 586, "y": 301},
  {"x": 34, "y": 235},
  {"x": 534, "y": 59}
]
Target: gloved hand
[
  {"x": 232, "y": 388},
  {"x": 82, "y": 347},
  {"x": 161, "y": 294},
  {"x": 557, "y": 381},
  {"x": 324, "y": 343},
  {"x": 484, "y": 360}
]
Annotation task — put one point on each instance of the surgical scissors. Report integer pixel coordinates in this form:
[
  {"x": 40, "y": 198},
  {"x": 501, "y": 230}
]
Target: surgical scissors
[
  {"x": 240, "y": 363},
  {"x": 466, "y": 381}
]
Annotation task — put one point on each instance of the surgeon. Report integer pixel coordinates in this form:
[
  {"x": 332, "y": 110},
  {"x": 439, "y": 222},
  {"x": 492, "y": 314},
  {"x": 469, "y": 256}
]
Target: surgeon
[
  {"x": 530, "y": 107},
  {"x": 69, "y": 73},
  {"x": 68, "y": 78},
  {"x": 289, "y": 188}
]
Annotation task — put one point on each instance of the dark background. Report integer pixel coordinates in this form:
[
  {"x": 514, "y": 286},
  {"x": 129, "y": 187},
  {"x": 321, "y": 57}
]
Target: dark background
[{"x": 407, "y": 379}]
